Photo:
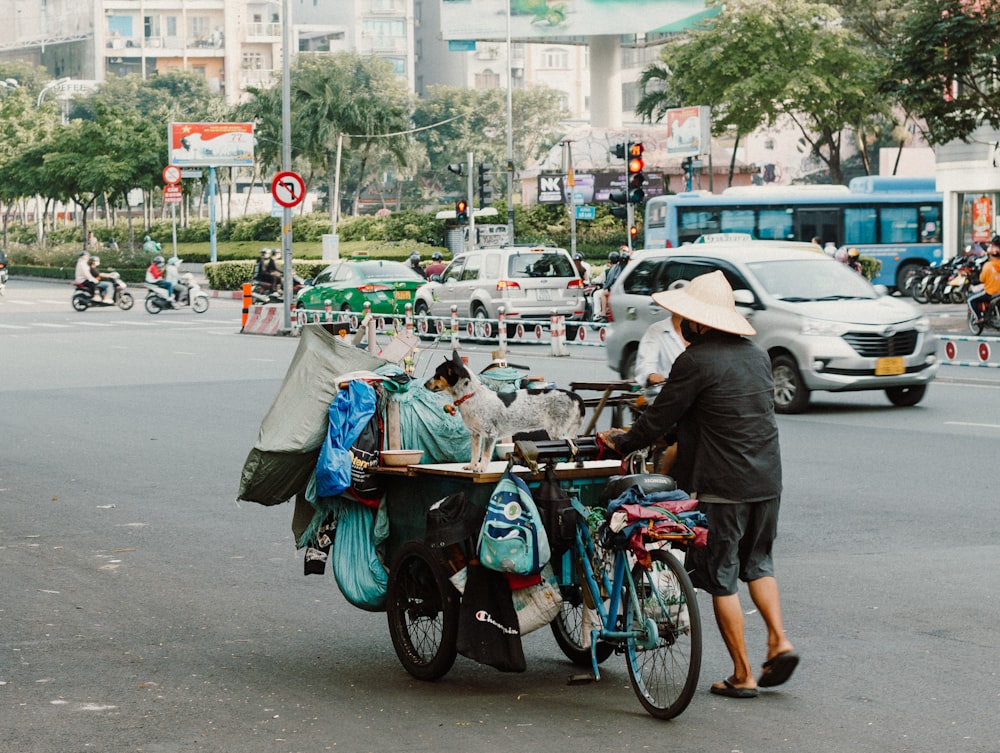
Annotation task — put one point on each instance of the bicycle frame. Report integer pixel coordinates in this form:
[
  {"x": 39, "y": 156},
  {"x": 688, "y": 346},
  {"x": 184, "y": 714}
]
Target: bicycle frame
[{"x": 598, "y": 583}]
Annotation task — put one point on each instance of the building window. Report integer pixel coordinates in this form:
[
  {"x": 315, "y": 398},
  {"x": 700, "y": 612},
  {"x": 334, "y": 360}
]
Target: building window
[
  {"x": 252, "y": 61},
  {"x": 553, "y": 57},
  {"x": 487, "y": 80}
]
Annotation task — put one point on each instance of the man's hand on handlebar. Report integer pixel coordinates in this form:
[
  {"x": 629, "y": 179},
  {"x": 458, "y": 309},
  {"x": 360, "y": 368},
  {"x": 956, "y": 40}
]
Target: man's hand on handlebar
[{"x": 609, "y": 437}]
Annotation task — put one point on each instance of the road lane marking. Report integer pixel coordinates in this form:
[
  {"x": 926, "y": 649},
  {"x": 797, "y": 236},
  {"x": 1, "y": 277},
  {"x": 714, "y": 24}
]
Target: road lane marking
[
  {"x": 54, "y": 326},
  {"x": 970, "y": 423},
  {"x": 12, "y": 326}
]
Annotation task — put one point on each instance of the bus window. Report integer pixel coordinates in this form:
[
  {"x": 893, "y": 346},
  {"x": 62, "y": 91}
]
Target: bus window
[
  {"x": 738, "y": 221},
  {"x": 930, "y": 224},
  {"x": 692, "y": 223},
  {"x": 898, "y": 225},
  {"x": 775, "y": 225},
  {"x": 859, "y": 226}
]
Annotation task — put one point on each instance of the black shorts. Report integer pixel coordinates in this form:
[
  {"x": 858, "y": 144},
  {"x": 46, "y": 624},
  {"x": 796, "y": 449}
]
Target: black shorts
[{"x": 740, "y": 539}]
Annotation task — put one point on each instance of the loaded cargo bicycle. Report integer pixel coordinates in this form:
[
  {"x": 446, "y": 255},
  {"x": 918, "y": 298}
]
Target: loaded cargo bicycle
[{"x": 467, "y": 561}]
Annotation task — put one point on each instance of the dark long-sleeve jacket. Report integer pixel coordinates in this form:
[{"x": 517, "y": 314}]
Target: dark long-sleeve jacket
[{"x": 720, "y": 399}]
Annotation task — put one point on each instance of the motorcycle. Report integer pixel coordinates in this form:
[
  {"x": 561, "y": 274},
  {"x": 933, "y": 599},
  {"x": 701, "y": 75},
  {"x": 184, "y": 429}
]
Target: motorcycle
[
  {"x": 3, "y": 272},
  {"x": 264, "y": 293},
  {"x": 157, "y": 298},
  {"x": 991, "y": 318},
  {"x": 83, "y": 299}
]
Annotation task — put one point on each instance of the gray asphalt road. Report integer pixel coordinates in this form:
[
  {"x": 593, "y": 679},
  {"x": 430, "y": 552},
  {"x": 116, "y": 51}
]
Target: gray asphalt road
[{"x": 142, "y": 609}]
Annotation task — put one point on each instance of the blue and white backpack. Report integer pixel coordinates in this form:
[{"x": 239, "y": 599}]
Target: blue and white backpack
[{"x": 512, "y": 539}]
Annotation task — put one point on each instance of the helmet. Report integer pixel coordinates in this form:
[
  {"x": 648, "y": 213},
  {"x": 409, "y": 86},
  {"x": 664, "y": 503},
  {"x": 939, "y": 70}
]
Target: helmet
[
  {"x": 158, "y": 261},
  {"x": 578, "y": 256},
  {"x": 436, "y": 256},
  {"x": 414, "y": 257},
  {"x": 840, "y": 255},
  {"x": 265, "y": 252},
  {"x": 85, "y": 252},
  {"x": 624, "y": 256},
  {"x": 95, "y": 260},
  {"x": 613, "y": 257},
  {"x": 995, "y": 240},
  {"x": 852, "y": 253}
]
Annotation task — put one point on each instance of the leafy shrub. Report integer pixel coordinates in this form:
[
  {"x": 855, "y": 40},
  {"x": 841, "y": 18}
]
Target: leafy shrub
[
  {"x": 256, "y": 227},
  {"x": 230, "y": 275}
]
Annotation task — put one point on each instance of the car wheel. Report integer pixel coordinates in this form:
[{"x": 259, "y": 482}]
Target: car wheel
[
  {"x": 906, "y": 396},
  {"x": 627, "y": 369},
  {"x": 790, "y": 393},
  {"x": 482, "y": 327}
]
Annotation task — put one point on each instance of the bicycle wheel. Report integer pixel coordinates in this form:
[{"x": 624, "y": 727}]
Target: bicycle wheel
[
  {"x": 422, "y": 608},
  {"x": 665, "y": 663},
  {"x": 572, "y": 623}
]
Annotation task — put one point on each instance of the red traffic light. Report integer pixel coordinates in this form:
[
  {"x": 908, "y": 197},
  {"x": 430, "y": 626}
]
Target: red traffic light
[
  {"x": 461, "y": 210},
  {"x": 633, "y": 233},
  {"x": 635, "y": 161}
]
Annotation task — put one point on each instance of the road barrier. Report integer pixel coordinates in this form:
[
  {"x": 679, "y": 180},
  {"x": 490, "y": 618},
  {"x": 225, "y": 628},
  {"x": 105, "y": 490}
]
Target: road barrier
[
  {"x": 263, "y": 320},
  {"x": 455, "y": 329},
  {"x": 985, "y": 350},
  {"x": 247, "y": 302}
]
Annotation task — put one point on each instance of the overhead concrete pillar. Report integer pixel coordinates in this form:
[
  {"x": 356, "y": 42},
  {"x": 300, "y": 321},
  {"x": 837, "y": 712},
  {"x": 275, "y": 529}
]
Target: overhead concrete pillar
[{"x": 605, "y": 82}]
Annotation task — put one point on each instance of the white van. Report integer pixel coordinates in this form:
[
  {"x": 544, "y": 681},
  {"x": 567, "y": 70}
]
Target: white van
[{"x": 824, "y": 326}]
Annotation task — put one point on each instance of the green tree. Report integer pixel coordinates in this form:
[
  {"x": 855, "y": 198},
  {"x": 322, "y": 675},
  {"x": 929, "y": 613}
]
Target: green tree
[
  {"x": 453, "y": 122},
  {"x": 353, "y": 97},
  {"x": 944, "y": 66},
  {"x": 759, "y": 61}
]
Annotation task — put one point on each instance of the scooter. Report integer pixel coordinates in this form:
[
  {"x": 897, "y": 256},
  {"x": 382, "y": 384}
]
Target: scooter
[
  {"x": 83, "y": 299},
  {"x": 3, "y": 271},
  {"x": 264, "y": 293},
  {"x": 157, "y": 298},
  {"x": 991, "y": 319}
]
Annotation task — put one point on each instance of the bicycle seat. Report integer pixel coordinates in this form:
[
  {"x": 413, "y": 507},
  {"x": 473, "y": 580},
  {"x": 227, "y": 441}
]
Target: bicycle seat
[{"x": 648, "y": 482}]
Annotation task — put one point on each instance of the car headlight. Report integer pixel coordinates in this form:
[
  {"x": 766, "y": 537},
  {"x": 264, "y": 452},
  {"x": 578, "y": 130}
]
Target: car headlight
[
  {"x": 923, "y": 324},
  {"x": 822, "y": 328}
]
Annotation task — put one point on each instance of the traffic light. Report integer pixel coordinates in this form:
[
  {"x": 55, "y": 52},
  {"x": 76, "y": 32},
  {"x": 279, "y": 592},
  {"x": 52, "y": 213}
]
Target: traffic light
[
  {"x": 620, "y": 150},
  {"x": 635, "y": 175},
  {"x": 456, "y": 167},
  {"x": 616, "y": 198},
  {"x": 633, "y": 234},
  {"x": 485, "y": 189},
  {"x": 462, "y": 210}
]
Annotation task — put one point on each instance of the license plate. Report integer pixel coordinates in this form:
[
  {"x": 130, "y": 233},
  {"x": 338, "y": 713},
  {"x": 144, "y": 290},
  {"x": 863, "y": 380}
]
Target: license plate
[
  {"x": 402, "y": 295},
  {"x": 543, "y": 295},
  {"x": 889, "y": 366}
]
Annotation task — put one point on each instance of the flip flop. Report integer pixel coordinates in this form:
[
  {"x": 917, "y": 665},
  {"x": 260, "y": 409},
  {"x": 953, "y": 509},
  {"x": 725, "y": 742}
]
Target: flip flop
[
  {"x": 731, "y": 691},
  {"x": 778, "y": 670}
]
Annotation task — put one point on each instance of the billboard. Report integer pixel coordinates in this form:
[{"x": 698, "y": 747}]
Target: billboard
[
  {"x": 210, "y": 144},
  {"x": 544, "y": 19},
  {"x": 689, "y": 131}
]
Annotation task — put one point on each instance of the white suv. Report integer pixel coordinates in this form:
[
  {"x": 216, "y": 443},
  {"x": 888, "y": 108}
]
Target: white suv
[
  {"x": 824, "y": 326},
  {"x": 529, "y": 282}
]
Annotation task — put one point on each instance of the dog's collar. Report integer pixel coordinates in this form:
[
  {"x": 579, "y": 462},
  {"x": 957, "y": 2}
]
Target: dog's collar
[{"x": 462, "y": 399}]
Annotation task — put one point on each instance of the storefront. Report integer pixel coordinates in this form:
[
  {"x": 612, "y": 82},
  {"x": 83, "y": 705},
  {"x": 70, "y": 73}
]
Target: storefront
[{"x": 968, "y": 175}]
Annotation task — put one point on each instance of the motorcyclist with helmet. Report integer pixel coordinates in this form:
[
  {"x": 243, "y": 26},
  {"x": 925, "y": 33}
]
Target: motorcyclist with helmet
[
  {"x": 617, "y": 260},
  {"x": 582, "y": 268},
  {"x": 154, "y": 276},
  {"x": 415, "y": 265},
  {"x": 989, "y": 276},
  {"x": 436, "y": 266},
  {"x": 106, "y": 288},
  {"x": 85, "y": 278}
]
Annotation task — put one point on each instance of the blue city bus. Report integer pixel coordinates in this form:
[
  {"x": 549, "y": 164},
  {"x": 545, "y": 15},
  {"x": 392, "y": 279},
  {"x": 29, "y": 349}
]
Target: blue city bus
[{"x": 893, "y": 219}]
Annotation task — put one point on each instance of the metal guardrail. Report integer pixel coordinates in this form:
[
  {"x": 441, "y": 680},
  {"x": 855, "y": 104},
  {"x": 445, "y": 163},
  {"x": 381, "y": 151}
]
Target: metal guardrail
[{"x": 456, "y": 329}]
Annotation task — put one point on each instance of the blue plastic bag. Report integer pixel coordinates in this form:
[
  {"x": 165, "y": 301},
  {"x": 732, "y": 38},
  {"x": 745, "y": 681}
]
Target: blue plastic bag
[
  {"x": 360, "y": 574},
  {"x": 348, "y": 415}
]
